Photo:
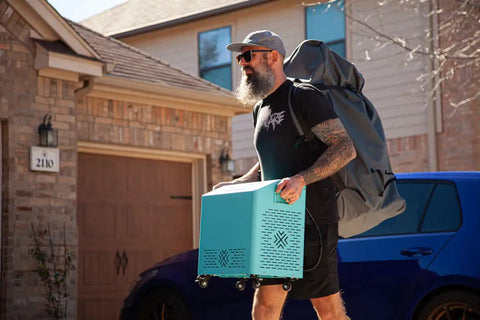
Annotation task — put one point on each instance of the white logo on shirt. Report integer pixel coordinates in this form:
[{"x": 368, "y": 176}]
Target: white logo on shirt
[{"x": 275, "y": 119}]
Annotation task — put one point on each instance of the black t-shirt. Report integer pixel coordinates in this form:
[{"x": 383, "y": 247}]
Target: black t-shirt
[{"x": 274, "y": 140}]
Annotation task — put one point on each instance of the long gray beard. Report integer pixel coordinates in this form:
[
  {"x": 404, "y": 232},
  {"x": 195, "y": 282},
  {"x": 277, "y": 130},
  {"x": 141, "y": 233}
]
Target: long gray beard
[{"x": 256, "y": 87}]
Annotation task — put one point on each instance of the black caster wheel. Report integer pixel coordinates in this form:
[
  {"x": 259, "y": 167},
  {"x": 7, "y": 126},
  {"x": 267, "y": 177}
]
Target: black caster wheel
[
  {"x": 287, "y": 285},
  {"x": 256, "y": 282},
  {"x": 202, "y": 281},
  {"x": 240, "y": 285}
]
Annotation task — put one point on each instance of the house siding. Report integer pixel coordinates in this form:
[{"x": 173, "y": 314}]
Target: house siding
[{"x": 391, "y": 77}]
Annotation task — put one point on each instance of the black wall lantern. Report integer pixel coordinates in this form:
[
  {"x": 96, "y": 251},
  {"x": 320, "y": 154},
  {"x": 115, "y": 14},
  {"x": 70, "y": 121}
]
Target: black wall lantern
[
  {"x": 225, "y": 162},
  {"x": 48, "y": 135}
]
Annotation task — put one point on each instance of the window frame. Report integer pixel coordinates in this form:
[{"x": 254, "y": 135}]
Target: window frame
[
  {"x": 336, "y": 41},
  {"x": 227, "y": 64}
]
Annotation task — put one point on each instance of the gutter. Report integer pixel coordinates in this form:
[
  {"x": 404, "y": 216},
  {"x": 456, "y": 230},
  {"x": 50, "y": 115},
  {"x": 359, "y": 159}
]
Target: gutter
[
  {"x": 85, "y": 89},
  {"x": 187, "y": 18},
  {"x": 111, "y": 87}
]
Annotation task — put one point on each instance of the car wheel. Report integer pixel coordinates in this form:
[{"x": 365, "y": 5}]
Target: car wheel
[
  {"x": 451, "y": 305},
  {"x": 162, "y": 304}
]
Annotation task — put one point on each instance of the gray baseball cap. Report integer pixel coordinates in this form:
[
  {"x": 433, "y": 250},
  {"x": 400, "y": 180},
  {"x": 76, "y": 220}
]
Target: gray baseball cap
[{"x": 261, "y": 38}]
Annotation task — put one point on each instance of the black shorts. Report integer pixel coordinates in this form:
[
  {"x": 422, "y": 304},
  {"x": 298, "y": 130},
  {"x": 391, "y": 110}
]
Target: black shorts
[{"x": 319, "y": 280}]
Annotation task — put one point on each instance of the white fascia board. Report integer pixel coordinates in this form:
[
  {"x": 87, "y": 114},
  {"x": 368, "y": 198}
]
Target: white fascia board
[
  {"x": 110, "y": 87},
  {"x": 62, "y": 28},
  {"x": 45, "y": 59}
]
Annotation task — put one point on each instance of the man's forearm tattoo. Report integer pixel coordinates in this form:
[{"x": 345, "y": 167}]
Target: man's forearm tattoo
[{"x": 339, "y": 152}]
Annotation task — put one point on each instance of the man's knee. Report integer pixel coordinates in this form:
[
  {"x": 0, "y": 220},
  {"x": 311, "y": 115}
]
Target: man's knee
[
  {"x": 330, "y": 307},
  {"x": 268, "y": 302}
]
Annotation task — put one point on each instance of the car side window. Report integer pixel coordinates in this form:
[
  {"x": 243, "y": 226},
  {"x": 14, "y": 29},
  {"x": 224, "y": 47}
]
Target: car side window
[
  {"x": 431, "y": 207},
  {"x": 416, "y": 195},
  {"x": 443, "y": 213}
]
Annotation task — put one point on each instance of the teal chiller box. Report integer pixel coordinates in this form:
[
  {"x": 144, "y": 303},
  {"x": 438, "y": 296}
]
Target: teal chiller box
[{"x": 248, "y": 231}]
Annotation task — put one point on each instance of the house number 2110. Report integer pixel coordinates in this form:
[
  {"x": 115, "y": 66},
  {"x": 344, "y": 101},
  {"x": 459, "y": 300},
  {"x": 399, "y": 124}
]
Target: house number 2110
[
  {"x": 44, "y": 159},
  {"x": 45, "y": 163}
]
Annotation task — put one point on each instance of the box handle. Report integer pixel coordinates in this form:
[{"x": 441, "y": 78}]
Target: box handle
[{"x": 279, "y": 199}]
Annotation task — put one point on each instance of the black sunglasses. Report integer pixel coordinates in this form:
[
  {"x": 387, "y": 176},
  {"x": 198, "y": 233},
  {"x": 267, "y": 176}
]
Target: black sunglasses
[{"x": 247, "y": 55}]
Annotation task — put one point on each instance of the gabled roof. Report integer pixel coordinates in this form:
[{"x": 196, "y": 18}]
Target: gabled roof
[
  {"x": 137, "y": 16},
  {"x": 49, "y": 25},
  {"x": 128, "y": 62}
]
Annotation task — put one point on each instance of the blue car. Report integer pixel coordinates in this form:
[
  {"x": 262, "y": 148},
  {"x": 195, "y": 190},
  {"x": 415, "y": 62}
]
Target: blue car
[{"x": 422, "y": 265}]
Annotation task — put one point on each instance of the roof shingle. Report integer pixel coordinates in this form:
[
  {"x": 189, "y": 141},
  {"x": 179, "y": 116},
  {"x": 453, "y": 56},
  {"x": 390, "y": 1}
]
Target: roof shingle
[
  {"x": 132, "y": 63},
  {"x": 137, "y": 14}
]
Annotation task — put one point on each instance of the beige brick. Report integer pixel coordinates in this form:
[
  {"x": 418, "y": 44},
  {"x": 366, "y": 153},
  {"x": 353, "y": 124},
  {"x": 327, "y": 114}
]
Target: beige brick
[
  {"x": 65, "y": 103},
  {"x": 64, "y": 118},
  {"x": 44, "y": 100},
  {"x": 45, "y": 178},
  {"x": 19, "y": 48}
]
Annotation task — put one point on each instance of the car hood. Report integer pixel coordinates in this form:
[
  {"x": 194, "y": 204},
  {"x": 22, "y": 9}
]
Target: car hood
[{"x": 187, "y": 256}]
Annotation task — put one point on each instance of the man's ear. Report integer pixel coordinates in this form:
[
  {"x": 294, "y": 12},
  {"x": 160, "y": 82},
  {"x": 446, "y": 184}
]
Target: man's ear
[{"x": 274, "y": 57}]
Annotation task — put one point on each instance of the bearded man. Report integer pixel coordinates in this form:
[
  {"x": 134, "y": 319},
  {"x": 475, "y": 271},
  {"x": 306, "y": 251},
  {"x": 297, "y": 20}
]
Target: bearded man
[{"x": 265, "y": 85}]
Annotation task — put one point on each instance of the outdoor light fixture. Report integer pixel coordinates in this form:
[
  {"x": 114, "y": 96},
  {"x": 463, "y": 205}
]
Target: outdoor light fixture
[
  {"x": 225, "y": 162},
  {"x": 48, "y": 135}
]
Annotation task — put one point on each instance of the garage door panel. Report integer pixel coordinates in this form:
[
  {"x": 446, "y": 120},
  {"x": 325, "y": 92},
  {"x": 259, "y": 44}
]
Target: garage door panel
[
  {"x": 139, "y": 260},
  {"x": 175, "y": 228},
  {"x": 101, "y": 175},
  {"x": 98, "y": 220},
  {"x": 108, "y": 309},
  {"x": 125, "y": 206},
  {"x": 98, "y": 268},
  {"x": 141, "y": 177},
  {"x": 156, "y": 217},
  {"x": 170, "y": 180}
]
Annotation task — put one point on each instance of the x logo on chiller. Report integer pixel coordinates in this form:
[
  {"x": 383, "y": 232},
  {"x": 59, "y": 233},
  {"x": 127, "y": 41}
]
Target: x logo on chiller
[
  {"x": 281, "y": 239},
  {"x": 223, "y": 257}
]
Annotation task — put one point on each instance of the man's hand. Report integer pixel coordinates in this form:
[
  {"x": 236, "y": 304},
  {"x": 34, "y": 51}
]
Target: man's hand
[
  {"x": 250, "y": 176},
  {"x": 223, "y": 184},
  {"x": 291, "y": 188}
]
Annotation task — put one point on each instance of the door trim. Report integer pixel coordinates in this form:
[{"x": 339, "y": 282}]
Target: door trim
[{"x": 198, "y": 161}]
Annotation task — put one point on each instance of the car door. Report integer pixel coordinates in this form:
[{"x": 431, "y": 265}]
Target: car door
[{"x": 381, "y": 269}]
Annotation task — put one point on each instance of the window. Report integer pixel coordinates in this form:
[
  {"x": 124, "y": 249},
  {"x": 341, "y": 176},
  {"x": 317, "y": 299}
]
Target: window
[
  {"x": 326, "y": 22},
  {"x": 214, "y": 58},
  {"x": 431, "y": 207},
  {"x": 443, "y": 213}
]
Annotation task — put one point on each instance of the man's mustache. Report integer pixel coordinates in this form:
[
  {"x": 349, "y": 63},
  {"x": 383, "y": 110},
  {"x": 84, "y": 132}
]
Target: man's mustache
[{"x": 247, "y": 68}]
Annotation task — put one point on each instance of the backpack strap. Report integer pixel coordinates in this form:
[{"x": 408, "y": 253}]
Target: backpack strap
[
  {"x": 305, "y": 134},
  {"x": 255, "y": 113}
]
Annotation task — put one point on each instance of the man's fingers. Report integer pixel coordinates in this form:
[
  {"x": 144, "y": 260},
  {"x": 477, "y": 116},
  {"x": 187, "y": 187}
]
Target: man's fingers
[{"x": 281, "y": 185}]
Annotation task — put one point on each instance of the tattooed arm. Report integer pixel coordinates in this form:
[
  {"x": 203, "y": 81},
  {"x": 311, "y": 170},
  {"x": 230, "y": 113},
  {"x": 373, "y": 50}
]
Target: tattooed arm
[{"x": 339, "y": 152}]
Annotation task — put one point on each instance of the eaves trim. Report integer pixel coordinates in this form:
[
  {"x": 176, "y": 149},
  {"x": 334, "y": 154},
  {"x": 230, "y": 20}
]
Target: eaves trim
[
  {"x": 116, "y": 88},
  {"x": 184, "y": 19}
]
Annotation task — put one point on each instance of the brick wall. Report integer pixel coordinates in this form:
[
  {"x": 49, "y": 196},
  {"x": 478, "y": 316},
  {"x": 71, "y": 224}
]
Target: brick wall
[
  {"x": 149, "y": 126},
  {"x": 49, "y": 199},
  {"x": 31, "y": 197},
  {"x": 459, "y": 143},
  {"x": 409, "y": 154}
]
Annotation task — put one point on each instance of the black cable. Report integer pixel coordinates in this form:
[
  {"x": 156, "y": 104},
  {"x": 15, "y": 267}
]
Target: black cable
[{"x": 321, "y": 242}]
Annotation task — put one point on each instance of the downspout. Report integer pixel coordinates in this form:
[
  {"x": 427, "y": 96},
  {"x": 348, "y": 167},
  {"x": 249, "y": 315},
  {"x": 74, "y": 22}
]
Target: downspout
[
  {"x": 88, "y": 81},
  {"x": 434, "y": 99},
  {"x": 85, "y": 89}
]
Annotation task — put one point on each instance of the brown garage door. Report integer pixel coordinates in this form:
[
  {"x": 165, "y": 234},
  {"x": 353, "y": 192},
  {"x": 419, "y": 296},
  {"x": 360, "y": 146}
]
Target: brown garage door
[{"x": 131, "y": 214}]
